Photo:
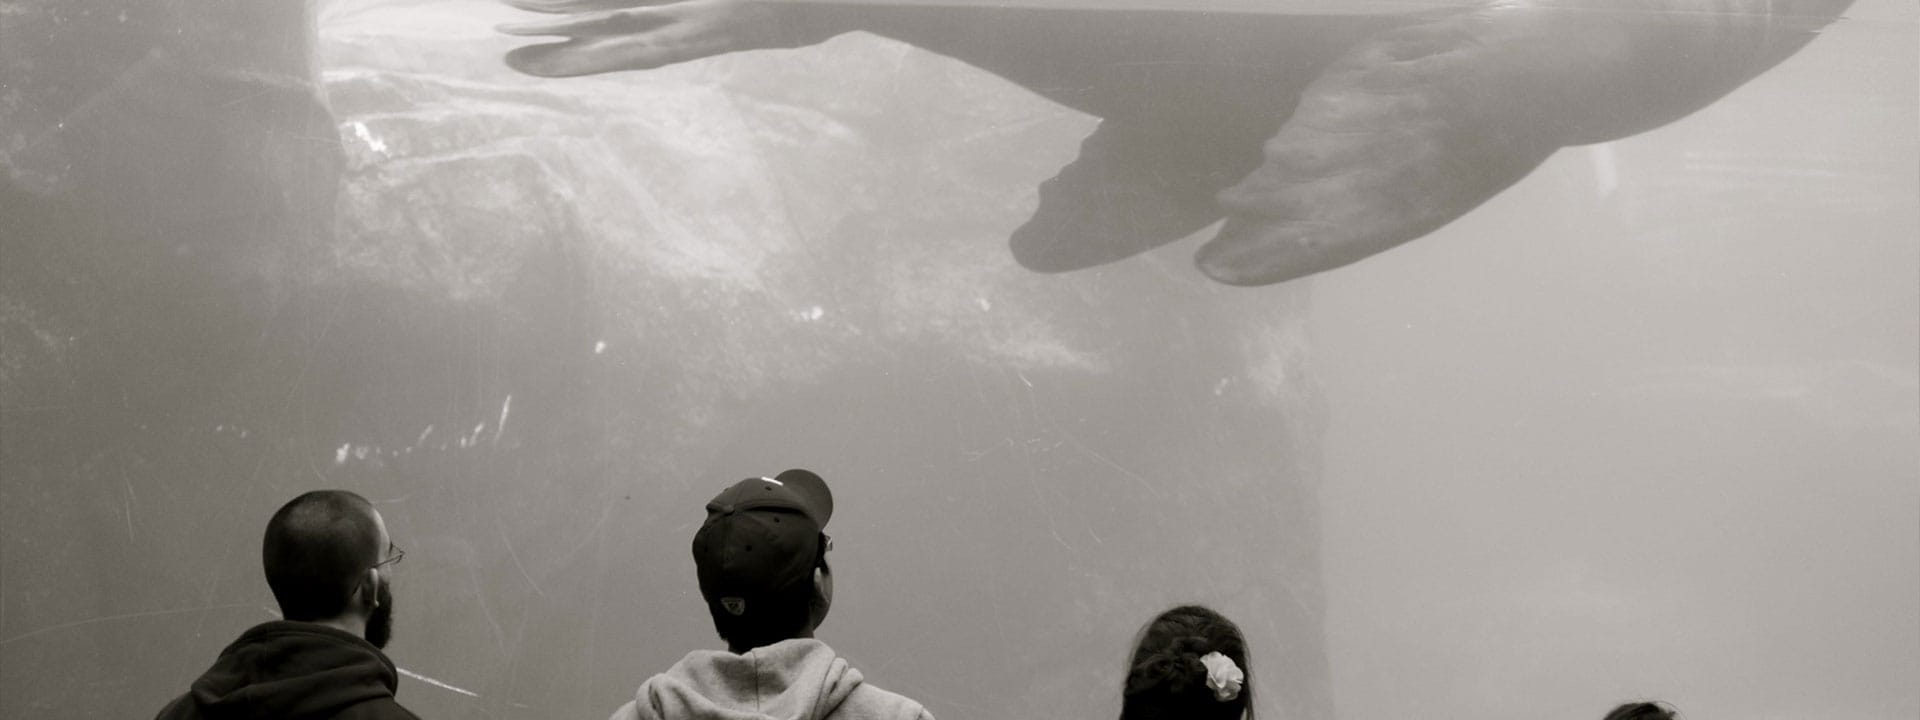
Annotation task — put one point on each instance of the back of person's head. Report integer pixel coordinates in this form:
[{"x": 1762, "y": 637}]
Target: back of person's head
[
  {"x": 317, "y": 547},
  {"x": 1643, "y": 711},
  {"x": 761, "y": 558},
  {"x": 1189, "y": 663}
]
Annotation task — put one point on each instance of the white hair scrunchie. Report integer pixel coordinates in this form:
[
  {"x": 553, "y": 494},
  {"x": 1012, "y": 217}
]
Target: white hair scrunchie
[{"x": 1223, "y": 676}]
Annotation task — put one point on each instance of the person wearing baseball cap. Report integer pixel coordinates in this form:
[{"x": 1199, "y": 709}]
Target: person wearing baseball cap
[{"x": 761, "y": 557}]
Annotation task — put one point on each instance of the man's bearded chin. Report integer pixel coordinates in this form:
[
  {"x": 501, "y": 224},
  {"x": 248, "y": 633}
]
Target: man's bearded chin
[{"x": 380, "y": 623}]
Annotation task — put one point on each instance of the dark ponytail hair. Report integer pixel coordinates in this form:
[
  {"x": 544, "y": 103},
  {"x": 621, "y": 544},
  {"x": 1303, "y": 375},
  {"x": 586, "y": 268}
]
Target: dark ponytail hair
[
  {"x": 1165, "y": 679},
  {"x": 1643, "y": 711}
]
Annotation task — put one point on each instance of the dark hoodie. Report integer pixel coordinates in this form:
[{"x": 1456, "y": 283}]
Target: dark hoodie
[{"x": 296, "y": 671}]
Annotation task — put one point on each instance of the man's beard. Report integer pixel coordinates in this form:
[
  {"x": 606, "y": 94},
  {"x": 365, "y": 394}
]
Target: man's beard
[{"x": 380, "y": 623}]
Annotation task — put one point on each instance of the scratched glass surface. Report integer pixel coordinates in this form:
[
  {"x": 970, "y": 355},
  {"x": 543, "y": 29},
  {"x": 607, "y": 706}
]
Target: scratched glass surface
[{"x": 1642, "y": 424}]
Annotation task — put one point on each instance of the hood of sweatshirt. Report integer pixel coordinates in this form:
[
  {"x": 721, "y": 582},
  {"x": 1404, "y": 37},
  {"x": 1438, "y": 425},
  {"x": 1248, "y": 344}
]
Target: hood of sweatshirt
[
  {"x": 789, "y": 680},
  {"x": 292, "y": 670}
]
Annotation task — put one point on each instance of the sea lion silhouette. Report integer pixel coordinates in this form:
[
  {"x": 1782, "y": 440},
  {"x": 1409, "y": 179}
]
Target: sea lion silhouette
[{"x": 1323, "y": 131}]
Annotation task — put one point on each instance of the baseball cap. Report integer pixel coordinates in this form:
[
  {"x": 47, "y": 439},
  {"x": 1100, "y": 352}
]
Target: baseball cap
[{"x": 762, "y": 536}]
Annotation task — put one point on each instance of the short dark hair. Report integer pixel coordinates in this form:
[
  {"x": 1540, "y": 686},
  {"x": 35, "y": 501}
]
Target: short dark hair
[
  {"x": 778, "y": 615},
  {"x": 1642, "y": 711},
  {"x": 316, "y": 547},
  {"x": 1167, "y": 681}
]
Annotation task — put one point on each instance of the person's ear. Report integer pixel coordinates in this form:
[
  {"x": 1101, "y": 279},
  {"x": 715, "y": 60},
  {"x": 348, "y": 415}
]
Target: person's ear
[
  {"x": 367, "y": 592},
  {"x": 822, "y": 599}
]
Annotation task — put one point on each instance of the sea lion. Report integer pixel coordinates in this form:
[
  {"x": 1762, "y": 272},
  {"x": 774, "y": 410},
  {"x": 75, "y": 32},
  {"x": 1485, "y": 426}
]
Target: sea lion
[{"x": 1323, "y": 133}]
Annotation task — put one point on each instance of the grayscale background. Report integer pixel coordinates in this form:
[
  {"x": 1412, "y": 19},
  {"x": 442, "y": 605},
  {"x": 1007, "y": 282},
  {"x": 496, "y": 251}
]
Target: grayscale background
[{"x": 1645, "y": 425}]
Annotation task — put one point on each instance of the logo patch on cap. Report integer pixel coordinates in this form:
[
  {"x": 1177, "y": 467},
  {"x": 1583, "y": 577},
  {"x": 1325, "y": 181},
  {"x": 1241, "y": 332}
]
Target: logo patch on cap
[{"x": 734, "y": 606}]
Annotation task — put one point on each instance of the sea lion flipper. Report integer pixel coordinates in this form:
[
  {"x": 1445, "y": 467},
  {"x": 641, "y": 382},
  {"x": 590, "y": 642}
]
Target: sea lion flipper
[
  {"x": 1419, "y": 125},
  {"x": 612, "y": 35},
  {"x": 575, "y": 6},
  {"x": 1132, "y": 189},
  {"x": 1377, "y": 153}
]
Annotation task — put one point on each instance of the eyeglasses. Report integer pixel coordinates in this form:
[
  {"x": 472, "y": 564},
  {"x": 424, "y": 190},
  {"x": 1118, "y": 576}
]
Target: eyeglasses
[
  {"x": 394, "y": 553},
  {"x": 826, "y": 545}
]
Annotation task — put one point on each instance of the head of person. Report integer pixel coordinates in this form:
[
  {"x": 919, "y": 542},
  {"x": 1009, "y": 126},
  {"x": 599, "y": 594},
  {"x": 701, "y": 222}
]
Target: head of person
[
  {"x": 762, "y": 559},
  {"x": 328, "y": 559},
  {"x": 1189, "y": 663},
  {"x": 1643, "y": 711}
]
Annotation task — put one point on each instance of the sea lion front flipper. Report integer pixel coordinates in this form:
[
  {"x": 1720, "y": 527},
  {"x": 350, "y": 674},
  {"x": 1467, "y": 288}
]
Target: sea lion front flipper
[
  {"x": 1132, "y": 189},
  {"x": 1419, "y": 125},
  {"x": 578, "y": 6},
  {"x": 612, "y": 35},
  {"x": 1391, "y": 142}
]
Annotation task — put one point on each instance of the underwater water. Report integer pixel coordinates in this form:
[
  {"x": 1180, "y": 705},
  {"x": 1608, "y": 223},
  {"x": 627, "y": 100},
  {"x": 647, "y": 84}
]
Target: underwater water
[{"x": 1642, "y": 425}]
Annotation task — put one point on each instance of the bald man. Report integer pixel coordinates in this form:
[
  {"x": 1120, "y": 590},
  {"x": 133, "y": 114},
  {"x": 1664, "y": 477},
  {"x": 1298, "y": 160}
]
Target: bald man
[{"x": 328, "y": 559}]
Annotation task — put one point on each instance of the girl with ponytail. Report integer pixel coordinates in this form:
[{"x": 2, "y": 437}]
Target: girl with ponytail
[{"x": 1189, "y": 663}]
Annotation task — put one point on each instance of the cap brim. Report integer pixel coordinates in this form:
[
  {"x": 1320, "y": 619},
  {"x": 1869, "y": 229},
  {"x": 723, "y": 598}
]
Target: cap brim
[{"x": 812, "y": 491}]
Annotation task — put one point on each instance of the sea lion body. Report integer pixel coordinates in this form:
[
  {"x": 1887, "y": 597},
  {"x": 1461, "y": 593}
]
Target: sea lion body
[{"x": 1321, "y": 133}]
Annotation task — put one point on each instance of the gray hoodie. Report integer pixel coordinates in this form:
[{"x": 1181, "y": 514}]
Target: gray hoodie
[{"x": 789, "y": 680}]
